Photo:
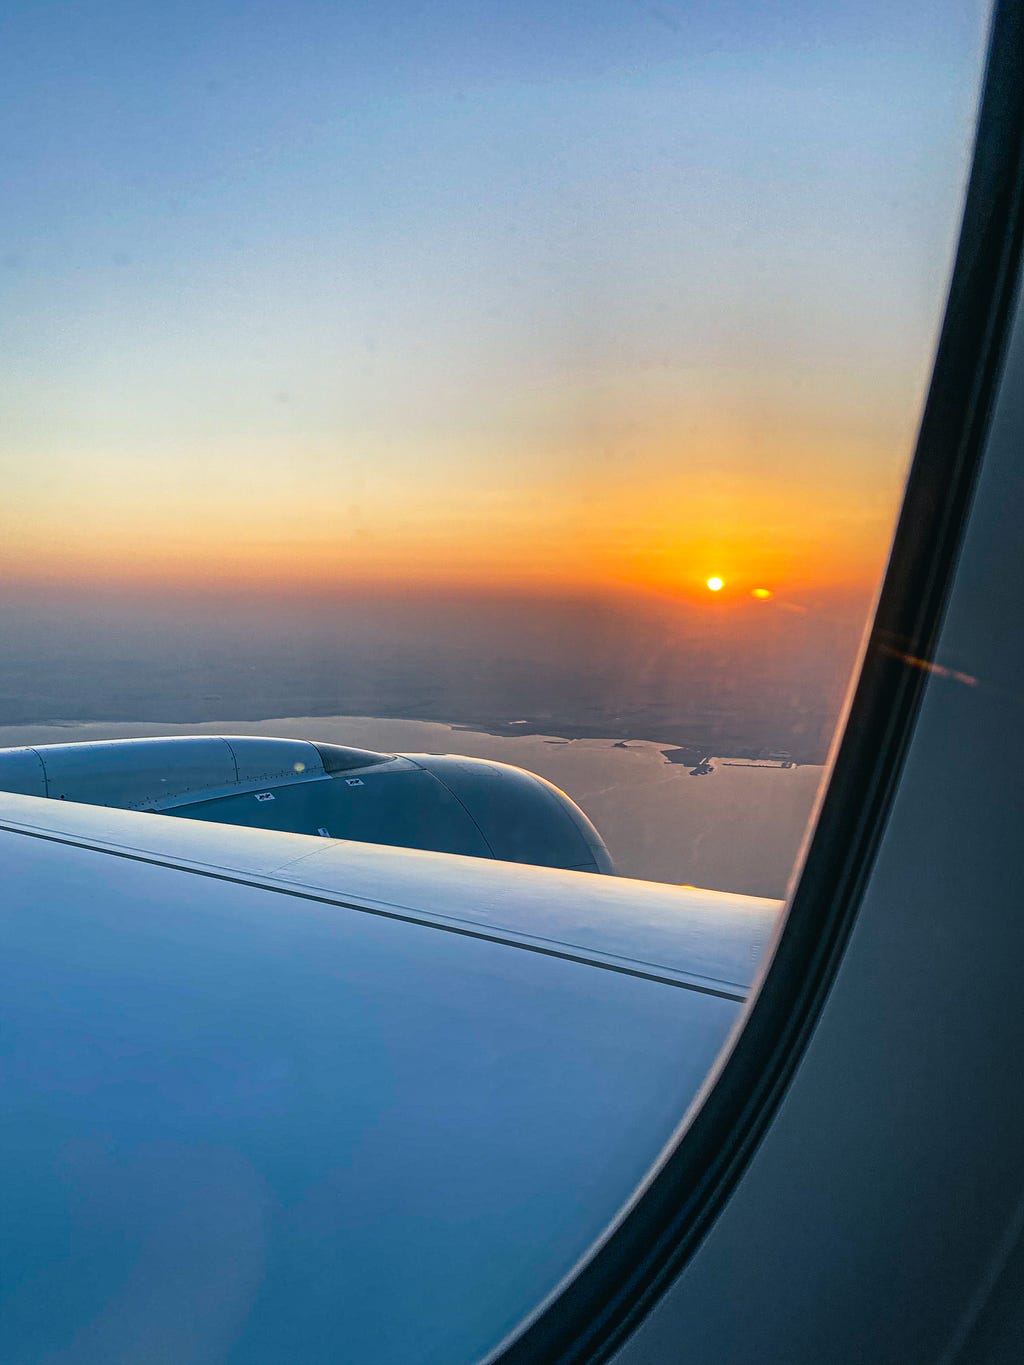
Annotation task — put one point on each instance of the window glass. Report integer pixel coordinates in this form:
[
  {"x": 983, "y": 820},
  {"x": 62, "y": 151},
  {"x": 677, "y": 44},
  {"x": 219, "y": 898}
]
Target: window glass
[{"x": 532, "y": 384}]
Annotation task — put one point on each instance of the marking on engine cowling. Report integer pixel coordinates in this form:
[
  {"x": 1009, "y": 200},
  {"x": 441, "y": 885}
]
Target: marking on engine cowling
[
  {"x": 354, "y": 782},
  {"x": 324, "y": 833},
  {"x": 264, "y": 796}
]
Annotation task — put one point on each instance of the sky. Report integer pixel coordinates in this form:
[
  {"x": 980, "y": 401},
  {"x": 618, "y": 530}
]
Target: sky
[{"x": 318, "y": 297}]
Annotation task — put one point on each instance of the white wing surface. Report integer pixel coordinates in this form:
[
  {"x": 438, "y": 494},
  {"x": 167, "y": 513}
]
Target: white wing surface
[{"x": 273, "y": 1098}]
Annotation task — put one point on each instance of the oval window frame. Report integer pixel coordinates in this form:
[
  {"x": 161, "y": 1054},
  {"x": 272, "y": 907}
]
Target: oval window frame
[{"x": 591, "y": 1314}]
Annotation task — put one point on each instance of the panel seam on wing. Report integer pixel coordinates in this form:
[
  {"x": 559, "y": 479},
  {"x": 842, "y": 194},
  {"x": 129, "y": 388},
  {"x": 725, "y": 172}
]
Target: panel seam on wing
[{"x": 271, "y": 883}]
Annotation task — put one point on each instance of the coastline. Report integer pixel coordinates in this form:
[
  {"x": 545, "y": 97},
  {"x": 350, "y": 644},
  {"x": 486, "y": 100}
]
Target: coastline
[{"x": 739, "y": 827}]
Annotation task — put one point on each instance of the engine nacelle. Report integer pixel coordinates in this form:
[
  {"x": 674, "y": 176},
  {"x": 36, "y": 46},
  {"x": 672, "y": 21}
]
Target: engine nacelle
[{"x": 443, "y": 803}]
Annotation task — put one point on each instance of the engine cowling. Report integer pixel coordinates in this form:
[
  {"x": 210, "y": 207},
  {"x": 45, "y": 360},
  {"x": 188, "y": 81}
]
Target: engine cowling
[{"x": 442, "y": 803}]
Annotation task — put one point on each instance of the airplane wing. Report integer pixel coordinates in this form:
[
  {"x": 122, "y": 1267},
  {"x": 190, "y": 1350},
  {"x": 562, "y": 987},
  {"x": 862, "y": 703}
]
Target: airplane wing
[{"x": 272, "y": 1097}]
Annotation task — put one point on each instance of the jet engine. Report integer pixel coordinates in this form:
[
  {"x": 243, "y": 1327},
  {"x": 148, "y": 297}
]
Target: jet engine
[{"x": 437, "y": 802}]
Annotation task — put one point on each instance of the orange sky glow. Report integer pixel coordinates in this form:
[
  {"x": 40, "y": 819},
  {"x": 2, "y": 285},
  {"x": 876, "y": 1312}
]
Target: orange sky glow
[{"x": 663, "y": 520}]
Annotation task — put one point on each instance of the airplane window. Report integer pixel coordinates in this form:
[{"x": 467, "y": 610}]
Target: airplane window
[{"x": 451, "y": 456}]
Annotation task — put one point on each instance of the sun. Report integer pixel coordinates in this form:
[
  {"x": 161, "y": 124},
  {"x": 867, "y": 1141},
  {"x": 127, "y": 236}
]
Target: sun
[{"x": 716, "y": 584}]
